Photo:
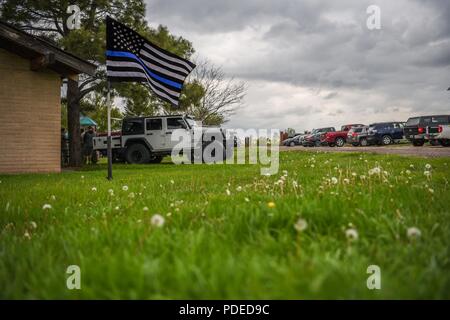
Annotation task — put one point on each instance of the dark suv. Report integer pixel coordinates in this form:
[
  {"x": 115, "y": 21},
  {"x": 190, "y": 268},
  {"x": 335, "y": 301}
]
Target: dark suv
[
  {"x": 385, "y": 133},
  {"x": 419, "y": 130}
]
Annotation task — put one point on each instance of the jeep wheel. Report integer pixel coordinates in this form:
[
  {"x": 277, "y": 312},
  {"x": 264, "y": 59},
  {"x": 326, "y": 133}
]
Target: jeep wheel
[
  {"x": 434, "y": 142},
  {"x": 445, "y": 142},
  {"x": 363, "y": 142},
  {"x": 418, "y": 143},
  {"x": 386, "y": 140},
  {"x": 137, "y": 154},
  {"x": 340, "y": 142}
]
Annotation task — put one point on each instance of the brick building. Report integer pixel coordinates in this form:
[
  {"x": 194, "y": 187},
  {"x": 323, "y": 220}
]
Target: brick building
[{"x": 31, "y": 73}]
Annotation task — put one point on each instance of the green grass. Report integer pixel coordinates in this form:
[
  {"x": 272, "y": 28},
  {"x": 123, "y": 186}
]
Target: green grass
[{"x": 215, "y": 245}]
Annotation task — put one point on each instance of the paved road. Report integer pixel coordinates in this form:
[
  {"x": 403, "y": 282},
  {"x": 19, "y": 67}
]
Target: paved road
[{"x": 405, "y": 150}]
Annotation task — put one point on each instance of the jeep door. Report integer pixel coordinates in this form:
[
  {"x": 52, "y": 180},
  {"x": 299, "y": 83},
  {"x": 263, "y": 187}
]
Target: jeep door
[
  {"x": 174, "y": 123},
  {"x": 398, "y": 131},
  {"x": 154, "y": 133}
]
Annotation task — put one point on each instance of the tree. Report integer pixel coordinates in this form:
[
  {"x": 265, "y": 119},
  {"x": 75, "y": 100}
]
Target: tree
[{"x": 212, "y": 96}]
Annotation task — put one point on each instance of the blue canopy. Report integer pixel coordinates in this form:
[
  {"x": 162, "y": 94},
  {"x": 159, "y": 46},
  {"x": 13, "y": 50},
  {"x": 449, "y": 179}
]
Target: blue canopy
[{"x": 86, "y": 121}]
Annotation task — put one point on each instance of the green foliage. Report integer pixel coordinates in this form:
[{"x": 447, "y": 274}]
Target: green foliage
[{"x": 219, "y": 246}]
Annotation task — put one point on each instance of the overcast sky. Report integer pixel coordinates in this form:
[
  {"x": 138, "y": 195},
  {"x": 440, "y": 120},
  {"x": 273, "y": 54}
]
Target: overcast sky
[{"x": 314, "y": 63}]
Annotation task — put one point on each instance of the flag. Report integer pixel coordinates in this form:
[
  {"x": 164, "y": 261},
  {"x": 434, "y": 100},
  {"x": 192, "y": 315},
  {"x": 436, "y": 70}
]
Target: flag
[{"x": 132, "y": 58}]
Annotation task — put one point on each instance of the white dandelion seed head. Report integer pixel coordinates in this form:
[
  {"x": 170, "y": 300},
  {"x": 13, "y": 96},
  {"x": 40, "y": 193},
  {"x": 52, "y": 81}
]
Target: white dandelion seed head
[
  {"x": 172, "y": 182},
  {"x": 408, "y": 172},
  {"x": 33, "y": 224},
  {"x": 26, "y": 235},
  {"x": 125, "y": 188},
  {"x": 239, "y": 189},
  {"x": 301, "y": 225},
  {"x": 430, "y": 190},
  {"x": 346, "y": 181},
  {"x": 94, "y": 189},
  {"x": 427, "y": 173},
  {"x": 312, "y": 166},
  {"x": 117, "y": 208},
  {"x": 145, "y": 209},
  {"x": 111, "y": 191},
  {"x": 363, "y": 177},
  {"x": 334, "y": 180},
  {"x": 411, "y": 166},
  {"x": 82, "y": 177},
  {"x": 351, "y": 234},
  {"x": 157, "y": 220},
  {"x": 413, "y": 233},
  {"x": 46, "y": 206},
  {"x": 53, "y": 197},
  {"x": 228, "y": 192},
  {"x": 247, "y": 199},
  {"x": 131, "y": 195},
  {"x": 428, "y": 166}
]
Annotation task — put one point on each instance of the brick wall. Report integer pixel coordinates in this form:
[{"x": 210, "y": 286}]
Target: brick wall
[{"x": 30, "y": 117}]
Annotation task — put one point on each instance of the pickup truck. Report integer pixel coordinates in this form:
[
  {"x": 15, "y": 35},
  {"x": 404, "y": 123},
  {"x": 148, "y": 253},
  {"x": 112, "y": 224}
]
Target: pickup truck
[
  {"x": 443, "y": 136},
  {"x": 338, "y": 138},
  {"x": 149, "y": 139}
]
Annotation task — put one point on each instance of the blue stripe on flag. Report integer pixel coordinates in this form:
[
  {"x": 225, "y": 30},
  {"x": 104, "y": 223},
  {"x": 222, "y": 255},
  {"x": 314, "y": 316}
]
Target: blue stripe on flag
[{"x": 155, "y": 76}]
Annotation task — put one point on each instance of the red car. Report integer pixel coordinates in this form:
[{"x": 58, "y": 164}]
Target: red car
[{"x": 338, "y": 138}]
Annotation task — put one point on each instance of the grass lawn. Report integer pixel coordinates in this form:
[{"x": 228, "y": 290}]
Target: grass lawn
[{"x": 229, "y": 232}]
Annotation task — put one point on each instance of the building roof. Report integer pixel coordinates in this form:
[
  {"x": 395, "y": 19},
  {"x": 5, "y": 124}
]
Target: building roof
[{"x": 42, "y": 53}]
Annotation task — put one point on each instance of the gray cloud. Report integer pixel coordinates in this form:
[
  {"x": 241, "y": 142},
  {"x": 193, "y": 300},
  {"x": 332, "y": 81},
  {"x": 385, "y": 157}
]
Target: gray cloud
[{"x": 314, "y": 62}]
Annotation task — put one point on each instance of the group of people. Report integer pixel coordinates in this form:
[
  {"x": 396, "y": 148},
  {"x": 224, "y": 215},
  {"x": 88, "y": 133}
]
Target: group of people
[{"x": 87, "y": 146}]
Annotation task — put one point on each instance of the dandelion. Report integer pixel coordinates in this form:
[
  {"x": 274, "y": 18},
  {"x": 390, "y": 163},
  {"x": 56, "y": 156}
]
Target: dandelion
[
  {"x": 300, "y": 225},
  {"x": 26, "y": 235},
  {"x": 145, "y": 209},
  {"x": 46, "y": 207},
  {"x": 375, "y": 170},
  {"x": 53, "y": 197},
  {"x": 271, "y": 205},
  {"x": 353, "y": 174},
  {"x": 228, "y": 192},
  {"x": 94, "y": 189},
  {"x": 351, "y": 234},
  {"x": 239, "y": 189},
  {"x": 363, "y": 177},
  {"x": 408, "y": 172},
  {"x": 125, "y": 188},
  {"x": 411, "y": 166},
  {"x": 111, "y": 192},
  {"x": 346, "y": 181},
  {"x": 312, "y": 166},
  {"x": 428, "y": 166},
  {"x": 430, "y": 190},
  {"x": 169, "y": 214},
  {"x": 427, "y": 174},
  {"x": 82, "y": 177},
  {"x": 247, "y": 200},
  {"x": 131, "y": 195},
  {"x": 295, "y": 184},
  {"x": 157, "y": 220},
  {"x": 334, "y": 180},
  {"x": 117, "y": 208},
  {"x": 413, "y": 233},
  {"x": 172, "y": 182},
  {"x": 33, "y": 225}
]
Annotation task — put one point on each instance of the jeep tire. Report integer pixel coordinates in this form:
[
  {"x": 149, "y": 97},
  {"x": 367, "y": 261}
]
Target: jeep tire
[
  {"x": 340, "y": 142},
  {"x": 386, "y": 140},
  {"x": 137, "y": 154},
  {"x": 418, "y": 143}
]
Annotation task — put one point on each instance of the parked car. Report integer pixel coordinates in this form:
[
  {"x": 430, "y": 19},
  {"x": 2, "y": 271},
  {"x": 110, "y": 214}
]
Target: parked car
[
  {"x": 443, "y": 136},
  {"x": 294, "y": 141},
  {"x": 385, "y": 133},
  {"x": 337, "y": 138},
  {"x": 357, "y": 136},
  {"x": 313, "y": 139},
  {"x": 419, "y": 130}
]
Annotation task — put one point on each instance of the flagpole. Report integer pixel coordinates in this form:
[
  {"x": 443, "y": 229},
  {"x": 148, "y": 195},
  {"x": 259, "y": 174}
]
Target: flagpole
[{"x": 109, "y": 152}]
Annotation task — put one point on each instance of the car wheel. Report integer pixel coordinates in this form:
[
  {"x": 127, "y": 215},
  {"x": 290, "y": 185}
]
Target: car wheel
[
  {"x": 434, "y": 142},
  {"x": 445, "y": 142},
  {"x": 418, "y": 143},
  {"x": 386, "y": 140},
  {"x": 363, "y": 142},
  {"x": 292, "y": 144},
  {"x": 355, "y": 144},
  {"x": 340, "y": 142},
  {"x": 137, "y": 154},
  {"x": 317, "y": 144}
]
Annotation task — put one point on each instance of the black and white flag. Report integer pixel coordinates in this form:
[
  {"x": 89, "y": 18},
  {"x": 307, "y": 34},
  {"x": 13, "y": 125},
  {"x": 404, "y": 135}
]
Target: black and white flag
[{"x": 132, "y": 58}]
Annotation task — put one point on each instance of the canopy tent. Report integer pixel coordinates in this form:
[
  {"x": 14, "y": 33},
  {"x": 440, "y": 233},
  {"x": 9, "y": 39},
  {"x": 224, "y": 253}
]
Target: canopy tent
[{"x": 86, "y": 121}]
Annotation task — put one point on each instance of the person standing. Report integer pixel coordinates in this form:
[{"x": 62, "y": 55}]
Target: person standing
[
  {"x": 88, "y": 145},
  {"x": 64, "y": 148}
]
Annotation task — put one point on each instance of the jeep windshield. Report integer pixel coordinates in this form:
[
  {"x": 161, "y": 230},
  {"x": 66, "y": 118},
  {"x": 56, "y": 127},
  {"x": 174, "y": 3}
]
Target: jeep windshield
[{"x": 413, "y": 122}]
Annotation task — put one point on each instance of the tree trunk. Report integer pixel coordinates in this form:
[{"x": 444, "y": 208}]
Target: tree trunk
[{"x": 73, "y": 122}]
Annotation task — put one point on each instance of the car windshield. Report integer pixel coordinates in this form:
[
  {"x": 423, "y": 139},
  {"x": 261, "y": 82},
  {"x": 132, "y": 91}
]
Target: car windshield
[
  {"x": 413, "y": 121},
  {"x": 314, "y": 131}
]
